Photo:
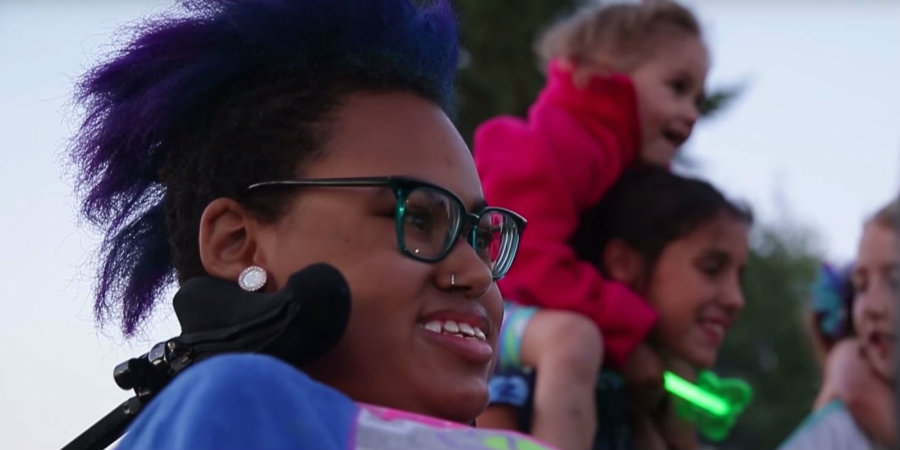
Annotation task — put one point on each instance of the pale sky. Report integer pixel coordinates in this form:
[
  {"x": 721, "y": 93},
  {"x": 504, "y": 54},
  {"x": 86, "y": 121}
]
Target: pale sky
[{"x": 816, "y": 134}]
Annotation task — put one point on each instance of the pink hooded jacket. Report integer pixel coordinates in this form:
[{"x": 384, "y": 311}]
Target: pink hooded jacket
[{"x": 551, "y": 168}]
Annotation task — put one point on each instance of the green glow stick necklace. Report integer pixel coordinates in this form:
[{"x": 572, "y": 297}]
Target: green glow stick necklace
[{"x": 713, "y": 404}]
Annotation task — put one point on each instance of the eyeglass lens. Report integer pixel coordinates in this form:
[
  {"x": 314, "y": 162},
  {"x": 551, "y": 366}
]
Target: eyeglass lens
[{"x": 432, "y": 220}]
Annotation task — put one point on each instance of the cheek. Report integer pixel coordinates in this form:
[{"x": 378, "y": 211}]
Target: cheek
[
  {"x": 857, "y": 312},
  {"x": 654, "y": 104},
  {"x": 646, "y": 112},
  {"x": 386, "y": 285},
  {"x": 679, "y": 297},
  {"x": 373, "y": 309},
  {"x": 493, "y": 303},
  {"x": 296, "y": 257},
  {"x": 677, "y": 315},
  {"x": 374, "y": 352},
  {"x": 674, "y": 303},
  {"x": 351, "y": 248}
]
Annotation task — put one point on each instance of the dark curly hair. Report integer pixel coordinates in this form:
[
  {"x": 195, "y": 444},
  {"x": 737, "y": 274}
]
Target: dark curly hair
[
  {"x": 202, "y": 103},
  {"x": 648, "y": 208}
]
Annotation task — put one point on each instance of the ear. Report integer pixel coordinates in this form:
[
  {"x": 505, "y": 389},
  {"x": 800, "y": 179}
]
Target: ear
[
  {"x": 227, "y": 242},
  {"x": 623, "y": 263}
]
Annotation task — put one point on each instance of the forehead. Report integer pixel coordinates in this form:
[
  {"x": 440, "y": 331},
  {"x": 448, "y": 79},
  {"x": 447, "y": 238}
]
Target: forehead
[
  {"x": 879, "y": 245},
  {"x": 397, "y": 133},
  {"x": 675, "y": 50},
  {"x": 722, "y": 234}
]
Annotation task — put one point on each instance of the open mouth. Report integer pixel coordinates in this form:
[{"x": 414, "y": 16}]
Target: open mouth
[
  {"x": 714, "y": 331},
  {"x": 715, "y": 328},
  {"x": 464, "y": 338},
  {"x": 882, "y": 342},
  {"x": 675, "y": 138},
  {"x": 454, "y": 328}
]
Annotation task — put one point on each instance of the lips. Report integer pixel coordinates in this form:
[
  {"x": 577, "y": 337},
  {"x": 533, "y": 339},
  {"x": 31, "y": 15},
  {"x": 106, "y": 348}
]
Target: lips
[
  {"x": 675, "y": 137},
  {"x": 461, "y": 333},
  {"x": 714, "y": 328},
  {"x": 882, "y": 341},
  {"x": 454, "y": 328}
]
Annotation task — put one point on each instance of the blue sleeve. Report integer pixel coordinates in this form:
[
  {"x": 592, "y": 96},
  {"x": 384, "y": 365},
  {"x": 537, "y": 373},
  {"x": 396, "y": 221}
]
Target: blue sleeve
[{"x": 242, "y": 402}]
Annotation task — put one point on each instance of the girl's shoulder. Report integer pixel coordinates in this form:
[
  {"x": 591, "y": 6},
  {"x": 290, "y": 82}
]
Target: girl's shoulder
[{"x": 831, "y": 426}]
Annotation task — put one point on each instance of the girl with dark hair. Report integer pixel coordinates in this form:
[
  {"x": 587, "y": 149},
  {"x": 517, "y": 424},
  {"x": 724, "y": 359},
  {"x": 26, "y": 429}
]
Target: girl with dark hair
[
  {"x": 246, "y": 140},
  {"x": 680, "y": 244}
]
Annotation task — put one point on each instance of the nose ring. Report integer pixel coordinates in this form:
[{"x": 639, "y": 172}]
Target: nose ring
[{"x": 452, "y": 280}]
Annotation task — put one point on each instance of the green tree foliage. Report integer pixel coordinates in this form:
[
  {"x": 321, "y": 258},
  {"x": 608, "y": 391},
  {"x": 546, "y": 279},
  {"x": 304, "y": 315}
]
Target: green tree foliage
[
  {"x": 769, "y": 347},
  {"x": 499, "y": 71}
]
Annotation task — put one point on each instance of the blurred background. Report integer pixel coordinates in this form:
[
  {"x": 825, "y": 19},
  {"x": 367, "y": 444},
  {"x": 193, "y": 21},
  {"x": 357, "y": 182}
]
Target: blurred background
[{"x": 806, "y": 130}]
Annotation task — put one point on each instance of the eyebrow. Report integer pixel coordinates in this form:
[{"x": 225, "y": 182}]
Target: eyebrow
[
  {"x": 887, "y": 267},
  {"x": 715, "y": 253}
]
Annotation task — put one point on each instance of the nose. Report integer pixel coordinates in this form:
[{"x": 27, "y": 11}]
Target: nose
[
  {"x": 691, "y": 113},
  {"x": 876, "y": 304},
  {"x": 733, "y": 296},
  {"x": 463, "y": 271}
]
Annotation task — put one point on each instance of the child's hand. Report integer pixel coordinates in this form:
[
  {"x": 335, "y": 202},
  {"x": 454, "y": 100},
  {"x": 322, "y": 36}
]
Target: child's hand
[
  {"x": 870, "y": 400},
  {"x": 643, "y": 375}
]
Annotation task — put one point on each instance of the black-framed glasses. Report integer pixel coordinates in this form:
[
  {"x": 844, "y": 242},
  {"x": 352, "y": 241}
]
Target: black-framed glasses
[{"x": 430, "y": 220}]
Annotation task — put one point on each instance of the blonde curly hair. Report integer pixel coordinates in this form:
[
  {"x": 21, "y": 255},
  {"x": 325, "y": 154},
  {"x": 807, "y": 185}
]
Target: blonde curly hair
[
  {"x": 616, "y": 35},
  {"x": 888, "y": 216}
]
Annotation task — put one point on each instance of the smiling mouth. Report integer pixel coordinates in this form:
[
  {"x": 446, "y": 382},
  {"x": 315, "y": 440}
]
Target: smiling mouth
[
  {"x": 881, "y": 341},
  {"x": 714, "y": 330},
  {"x": 675, "y": 138},
  {"x": 466, "y": 340},
  {"x": 454, "y": 328}
]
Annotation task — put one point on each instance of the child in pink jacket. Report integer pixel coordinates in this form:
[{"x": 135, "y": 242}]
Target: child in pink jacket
[{"x": 624, "y": 86}]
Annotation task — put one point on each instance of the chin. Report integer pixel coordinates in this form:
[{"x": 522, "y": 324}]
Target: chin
[
  {"x": 462, "y": 407},
  {"x": 702, "y": 359},
  {"x": 661, "y": 153},
  {"x": 885, "y": 369}
]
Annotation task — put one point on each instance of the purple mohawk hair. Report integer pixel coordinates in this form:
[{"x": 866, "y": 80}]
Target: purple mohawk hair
[{"x": 142, "y": 105}]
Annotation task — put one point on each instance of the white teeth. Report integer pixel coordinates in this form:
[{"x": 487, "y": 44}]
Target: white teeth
[
  {"x": 719, "y": 329},
  {"x": 451, "y": 327}
]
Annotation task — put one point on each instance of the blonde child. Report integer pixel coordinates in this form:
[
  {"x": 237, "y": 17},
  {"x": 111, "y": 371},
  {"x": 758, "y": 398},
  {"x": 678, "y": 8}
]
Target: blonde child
[
  {"x": 624, "y": 85},
  {"x": 856, "y": 408}
]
